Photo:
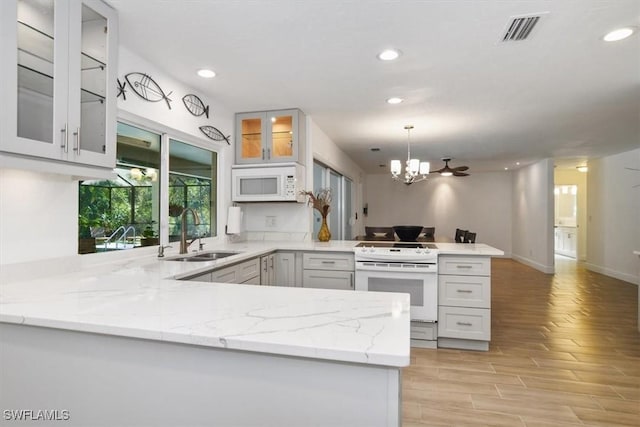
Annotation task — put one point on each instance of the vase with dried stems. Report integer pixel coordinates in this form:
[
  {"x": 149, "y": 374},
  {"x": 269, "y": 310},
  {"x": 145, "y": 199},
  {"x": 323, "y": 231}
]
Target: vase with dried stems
[{"x": 321, "y": 201}]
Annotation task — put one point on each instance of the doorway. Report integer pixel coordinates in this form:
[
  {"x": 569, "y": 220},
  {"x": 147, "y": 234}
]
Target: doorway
[
  {"x": 566, "y": 220},
  {"x": 570, "y": 213}
]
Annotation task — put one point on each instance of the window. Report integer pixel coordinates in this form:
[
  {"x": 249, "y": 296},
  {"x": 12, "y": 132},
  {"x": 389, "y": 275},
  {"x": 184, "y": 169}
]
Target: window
[
  {"x": 124, "y": 212},
  {"x": 192, "y": 173}
]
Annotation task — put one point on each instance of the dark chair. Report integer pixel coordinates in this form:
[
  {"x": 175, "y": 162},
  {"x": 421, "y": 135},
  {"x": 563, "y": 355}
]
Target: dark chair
[
  {"x": 470, "y": 237},
  {"x": 460, "y": 235},
  {"x": 428, "y": 232},
  {"x": 379, "y": 232}
]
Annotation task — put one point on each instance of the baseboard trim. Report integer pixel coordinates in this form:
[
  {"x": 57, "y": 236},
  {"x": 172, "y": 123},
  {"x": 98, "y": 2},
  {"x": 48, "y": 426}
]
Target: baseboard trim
[
  {"x": 533, "y": 264},
  {"x": 613, "y": 273}
]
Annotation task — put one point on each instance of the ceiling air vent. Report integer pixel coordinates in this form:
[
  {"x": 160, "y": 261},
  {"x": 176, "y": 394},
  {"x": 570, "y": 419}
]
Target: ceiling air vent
[{"x": 520, "y": 27}]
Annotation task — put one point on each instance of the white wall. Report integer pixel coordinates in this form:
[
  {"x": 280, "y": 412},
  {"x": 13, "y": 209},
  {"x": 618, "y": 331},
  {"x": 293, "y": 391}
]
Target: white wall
[
  {"x": 38, "y": 216},
  {"x": 573, "y": 177},
  {"x": 480, "y": 203},
  {"x": 39, "y": 212},
  {"x": 533, "y": 216},
  {"x": 614, "y": 216}
]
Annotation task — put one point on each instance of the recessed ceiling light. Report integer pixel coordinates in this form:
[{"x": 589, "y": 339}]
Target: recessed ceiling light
[
  {"x": 517, "y": 163},
  {"x": 389, "y": 55},
  {"x": 582, "y": 168},
  {"x": 207, "y": 74},
  {"x": 619, "y": 34},
  {"x": 506, "y": 169},
  {"x": 394, "y": 100}
]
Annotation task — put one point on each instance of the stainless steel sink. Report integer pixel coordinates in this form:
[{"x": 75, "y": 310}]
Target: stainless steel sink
[
  {"x": 214, "y": 255},
  {"x": 204, "y": 256}
]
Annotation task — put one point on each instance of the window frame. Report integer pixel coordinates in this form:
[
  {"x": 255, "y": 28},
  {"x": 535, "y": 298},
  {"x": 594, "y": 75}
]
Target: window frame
[{"x": 166, "y": 134}]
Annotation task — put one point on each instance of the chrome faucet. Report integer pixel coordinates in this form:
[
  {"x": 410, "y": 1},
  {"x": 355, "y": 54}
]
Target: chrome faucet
[{"x": 184, "y": 245}]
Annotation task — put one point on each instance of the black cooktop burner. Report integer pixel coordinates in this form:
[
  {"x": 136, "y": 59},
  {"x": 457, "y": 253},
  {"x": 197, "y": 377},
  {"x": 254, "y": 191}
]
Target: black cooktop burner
[{"x": 405, "y": 245}]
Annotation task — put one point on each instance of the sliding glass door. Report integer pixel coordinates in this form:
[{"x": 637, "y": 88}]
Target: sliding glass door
[{"x": 340, "y": 218}]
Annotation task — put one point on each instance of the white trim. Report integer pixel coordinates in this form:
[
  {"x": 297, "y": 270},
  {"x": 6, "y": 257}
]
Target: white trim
[
  {"x": 613, "y": 273},
  {"x": 533, "y": 264}
]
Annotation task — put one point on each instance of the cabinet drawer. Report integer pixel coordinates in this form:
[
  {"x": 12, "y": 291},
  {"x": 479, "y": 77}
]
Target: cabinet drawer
[
  {"x": 464, "y": 291},
  {"x": 327, "y": 279},
  {"x": 424, "y": 331},
  {"x": 225, "y": 275},
  {"x": 248, "y": 270},
  {"x": 465, "y": 323},
  {"x": 465, "y": 265},
  {"x": 328, "y": 261}
]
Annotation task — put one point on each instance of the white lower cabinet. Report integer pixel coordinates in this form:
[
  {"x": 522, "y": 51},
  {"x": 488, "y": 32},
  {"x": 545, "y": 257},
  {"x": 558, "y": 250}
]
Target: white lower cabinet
[
  {"x": 328, "y": 270},
  {"x": 247, "y": 270},
  {"x": 464, "y": 302},
  {"x": 327, "y": 279},
  {"x": 465, "y": 323},
  {"x": 243, "y": 272},
  {"x": 565, "y": 241},
  {"x": 286, "y": 268},
  {"x": 268, "y": 270}
]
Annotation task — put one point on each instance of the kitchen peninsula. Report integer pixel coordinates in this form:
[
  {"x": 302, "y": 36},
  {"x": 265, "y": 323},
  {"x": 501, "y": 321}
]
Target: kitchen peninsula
[{"x": 163, "y": 351}]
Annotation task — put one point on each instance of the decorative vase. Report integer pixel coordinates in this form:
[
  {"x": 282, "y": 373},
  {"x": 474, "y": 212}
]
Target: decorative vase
[{"x": 324, "y": 235}]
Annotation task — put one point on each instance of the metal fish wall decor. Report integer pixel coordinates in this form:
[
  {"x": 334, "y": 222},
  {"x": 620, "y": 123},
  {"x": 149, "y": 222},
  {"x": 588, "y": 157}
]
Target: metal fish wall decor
[
  {"x": 213, "y": 133},
  {"x": 146, "y": 88},
  {"x": 121, "y": 90},
  {"x": 195, "y": 105}
]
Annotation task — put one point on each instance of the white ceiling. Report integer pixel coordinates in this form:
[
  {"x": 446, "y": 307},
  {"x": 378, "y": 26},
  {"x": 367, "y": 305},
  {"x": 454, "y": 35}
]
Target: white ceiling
[{"x": 562, "y": 93}]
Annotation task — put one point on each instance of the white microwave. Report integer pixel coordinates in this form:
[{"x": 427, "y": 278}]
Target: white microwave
[{"x": 273, "y": 183}]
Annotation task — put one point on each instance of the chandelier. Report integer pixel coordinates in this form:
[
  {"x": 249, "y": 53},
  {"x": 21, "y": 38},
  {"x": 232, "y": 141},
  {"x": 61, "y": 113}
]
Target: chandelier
[{"x": 414, "y": 170}]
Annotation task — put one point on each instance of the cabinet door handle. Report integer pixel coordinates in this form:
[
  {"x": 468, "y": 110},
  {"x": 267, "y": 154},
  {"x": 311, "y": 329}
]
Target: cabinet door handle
[
  {"x": 463, "y": 324},
  {"x": 263, "y": 154},
  {"x": 271, "y": 259},
  {"x": 77, "y": 135},
  {"x": 464, "y": 266},
  {"x": 268, "y": 153},
  {"x": 65, "y": 139},
  {"x": 351, "y": 280},
  {"x": 464, "y": 291}
]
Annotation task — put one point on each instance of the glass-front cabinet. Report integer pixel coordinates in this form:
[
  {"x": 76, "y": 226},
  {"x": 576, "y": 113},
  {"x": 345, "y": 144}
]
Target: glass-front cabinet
[
  {"x": 270, "y": 136},
  {"x": 58, "y": 81}
]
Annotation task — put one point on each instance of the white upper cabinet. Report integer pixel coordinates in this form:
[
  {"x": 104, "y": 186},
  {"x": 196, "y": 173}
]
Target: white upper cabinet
[
  {"x": 270, "y": 136},
  {"x": 58, "y": 82}
]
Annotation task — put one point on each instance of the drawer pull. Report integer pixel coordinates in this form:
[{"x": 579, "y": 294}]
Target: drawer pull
[
  {"x": 464, "y": 291},
  {"x": 464, "y": 324},
  {"x": 328, "y": 262},
  {"x": 464, "y": 266}
]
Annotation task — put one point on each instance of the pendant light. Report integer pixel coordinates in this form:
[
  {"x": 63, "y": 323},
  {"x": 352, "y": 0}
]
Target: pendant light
[{"x": 414, "y": 170}]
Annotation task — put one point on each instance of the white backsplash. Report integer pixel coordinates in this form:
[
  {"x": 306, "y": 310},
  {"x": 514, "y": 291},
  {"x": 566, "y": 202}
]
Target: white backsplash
[{"x": 276, "y": 221}]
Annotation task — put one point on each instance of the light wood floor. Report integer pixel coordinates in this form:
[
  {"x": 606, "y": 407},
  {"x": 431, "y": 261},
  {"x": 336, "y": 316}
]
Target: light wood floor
[{"x": 565, "y": 350}]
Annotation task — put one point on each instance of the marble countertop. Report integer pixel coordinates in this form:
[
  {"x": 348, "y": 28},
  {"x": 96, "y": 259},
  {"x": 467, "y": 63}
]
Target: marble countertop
[{"x": 140, "y": 297}]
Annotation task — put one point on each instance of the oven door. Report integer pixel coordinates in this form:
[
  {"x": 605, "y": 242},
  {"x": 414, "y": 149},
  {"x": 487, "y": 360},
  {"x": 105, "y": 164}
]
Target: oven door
[{"x": 422, "y": 285}]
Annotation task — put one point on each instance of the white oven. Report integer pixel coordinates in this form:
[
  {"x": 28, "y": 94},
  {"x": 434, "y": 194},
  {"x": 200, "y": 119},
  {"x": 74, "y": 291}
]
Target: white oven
[{"x": 418, "y": 279}]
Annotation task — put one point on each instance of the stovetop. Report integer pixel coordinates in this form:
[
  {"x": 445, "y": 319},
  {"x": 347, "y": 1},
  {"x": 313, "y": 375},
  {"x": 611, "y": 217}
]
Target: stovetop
[
  {"x": 414, "y": 252},
  {"x": 401, "y": 245}
]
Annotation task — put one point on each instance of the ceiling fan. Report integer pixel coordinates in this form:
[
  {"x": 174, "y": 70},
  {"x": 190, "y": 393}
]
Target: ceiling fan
[{"x": 447, "y": 171}]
